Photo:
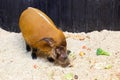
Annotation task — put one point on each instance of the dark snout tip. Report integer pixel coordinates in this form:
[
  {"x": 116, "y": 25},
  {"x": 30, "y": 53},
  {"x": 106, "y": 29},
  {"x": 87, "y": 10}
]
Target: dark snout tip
[
  {"x": 66, "y": 62},
  {"x": 65, "y": 65}
]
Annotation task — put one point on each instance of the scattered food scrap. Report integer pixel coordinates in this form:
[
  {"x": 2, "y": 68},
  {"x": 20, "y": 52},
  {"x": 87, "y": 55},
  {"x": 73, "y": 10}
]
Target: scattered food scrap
[
  {"x": 69, "y": 76},
  {"x": 84, "y": 47},
  {"x": 108, "y": 66},
  {"x": 81, "y": 53},
  {"x": 102, "y": 66},
  {"x": 102, "y": 52},
  {"x": 72, "y": 56},
  {"x": 35, "y": 66}
]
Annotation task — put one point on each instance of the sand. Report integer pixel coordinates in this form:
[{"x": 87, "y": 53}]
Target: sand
[{"x": 16, "y": 63}]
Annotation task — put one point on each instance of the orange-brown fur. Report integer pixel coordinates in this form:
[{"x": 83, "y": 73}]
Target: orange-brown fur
[
  {"x": 34, "y": 28},
  {"x": 35, "y": 25}
]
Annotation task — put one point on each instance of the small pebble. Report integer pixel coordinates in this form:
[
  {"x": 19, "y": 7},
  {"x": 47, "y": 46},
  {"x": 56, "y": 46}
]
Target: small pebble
[{"x": 76, "y": 77}]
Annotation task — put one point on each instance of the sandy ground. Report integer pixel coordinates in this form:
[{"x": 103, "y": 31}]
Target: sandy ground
[{"x": 16, "y": 63}]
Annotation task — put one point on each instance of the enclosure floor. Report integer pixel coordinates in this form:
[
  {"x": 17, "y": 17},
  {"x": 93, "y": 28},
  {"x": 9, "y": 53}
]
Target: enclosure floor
[{"x": 16, "y": 63}]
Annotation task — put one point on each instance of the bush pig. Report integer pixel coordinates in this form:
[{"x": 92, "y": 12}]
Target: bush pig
[{"x": 40, "y": 33}]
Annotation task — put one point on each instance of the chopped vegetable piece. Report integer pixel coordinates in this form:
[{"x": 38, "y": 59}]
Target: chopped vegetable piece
[
  {"x": 102, "y": 66},
  {"x": 68, "y": 76},
  {"x": 72, "y": 56},
  {"x": 84, "y": 47},
  {"x": 35, "y": 66},
  {"x": 108, "y": 67},
  {"x": 102, "y": 52},
  {"x": 82, "y": 53}
]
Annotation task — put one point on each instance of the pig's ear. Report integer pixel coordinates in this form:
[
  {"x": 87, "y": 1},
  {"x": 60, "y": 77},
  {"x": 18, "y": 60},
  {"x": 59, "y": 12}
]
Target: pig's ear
[{"x": 50, "y": 41}]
